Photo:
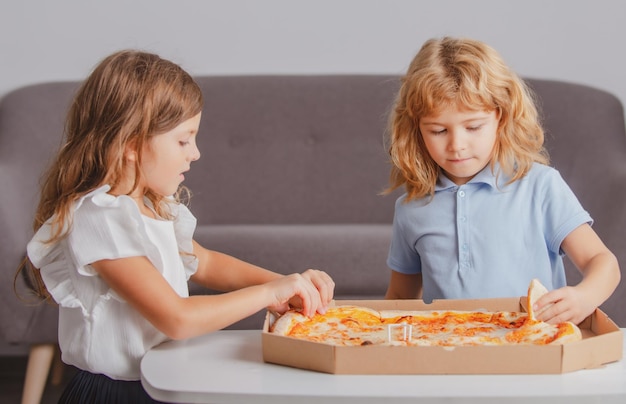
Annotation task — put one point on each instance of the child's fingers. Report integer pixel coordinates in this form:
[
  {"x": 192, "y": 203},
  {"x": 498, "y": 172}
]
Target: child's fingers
[
  {"x": 311, "y": 299},
  {"x": 543, "y": 307},
  {"x": 306, "y": 291},
  {"x": 560, "y": 305},
  {"x": 323, "y": 283},
  {"x": 310, "y": 291}
]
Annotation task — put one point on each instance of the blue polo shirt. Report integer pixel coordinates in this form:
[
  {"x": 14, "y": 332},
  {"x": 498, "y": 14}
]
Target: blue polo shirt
[{"x": 484, "y": 239}]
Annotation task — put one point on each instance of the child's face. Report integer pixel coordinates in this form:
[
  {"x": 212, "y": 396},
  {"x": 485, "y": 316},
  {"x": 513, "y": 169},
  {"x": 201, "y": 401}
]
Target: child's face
[
  {"x": 461, "y": 141},
  {"x": 167, "y": 156}
]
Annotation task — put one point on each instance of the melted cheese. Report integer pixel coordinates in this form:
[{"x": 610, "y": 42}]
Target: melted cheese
[{"x": 351, "y": 325}]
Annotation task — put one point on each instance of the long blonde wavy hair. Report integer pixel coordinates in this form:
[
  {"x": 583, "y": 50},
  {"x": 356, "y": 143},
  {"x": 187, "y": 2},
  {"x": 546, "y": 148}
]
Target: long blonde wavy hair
[
  {"x": 471, "y": 75},
  {"x": 129, "y": 97}
]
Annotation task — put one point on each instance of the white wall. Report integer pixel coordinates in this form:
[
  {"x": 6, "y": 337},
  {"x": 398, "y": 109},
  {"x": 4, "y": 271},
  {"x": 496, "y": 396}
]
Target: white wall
[{"x": 573, "y": 40}]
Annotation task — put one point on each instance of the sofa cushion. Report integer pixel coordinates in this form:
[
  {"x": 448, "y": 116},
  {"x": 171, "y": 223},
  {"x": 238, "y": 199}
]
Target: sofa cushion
[{"x": 354, "y": 255}]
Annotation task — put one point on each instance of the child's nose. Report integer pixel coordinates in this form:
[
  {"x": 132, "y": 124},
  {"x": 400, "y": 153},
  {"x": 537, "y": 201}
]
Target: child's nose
[
  {"x": 456, "y": 142},
  {"x": 195, "y": 154}
]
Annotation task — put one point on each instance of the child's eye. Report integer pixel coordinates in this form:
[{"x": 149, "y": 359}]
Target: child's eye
[
  {"x": 474, "y": 128},
  {"x": 438, "y": 132},
  {"x": 183, "y": 142}
]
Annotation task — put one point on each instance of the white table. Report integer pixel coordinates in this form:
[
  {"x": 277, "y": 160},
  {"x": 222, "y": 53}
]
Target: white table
[{"x": 227, "y": 367}]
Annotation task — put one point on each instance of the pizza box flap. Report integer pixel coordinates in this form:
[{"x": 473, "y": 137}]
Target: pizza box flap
[
  {"x": 296, "y": 353},
  {"x": 446, "y": 360},
  {"x": 493, "y": 304},
  {"x": 602, "y": 343}
]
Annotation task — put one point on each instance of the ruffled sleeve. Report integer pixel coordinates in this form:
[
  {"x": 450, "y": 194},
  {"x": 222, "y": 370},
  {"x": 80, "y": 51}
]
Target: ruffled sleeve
[
  {"x": 108, "y": 227},
  {"x": 184, "y": 228},
  {"x": 54, "y": 265},
  {"x": 103, "y": 226}
]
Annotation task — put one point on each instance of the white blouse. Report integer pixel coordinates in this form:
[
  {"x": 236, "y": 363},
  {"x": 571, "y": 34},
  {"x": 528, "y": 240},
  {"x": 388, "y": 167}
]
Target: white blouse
[{"x": 98, "y": 331}]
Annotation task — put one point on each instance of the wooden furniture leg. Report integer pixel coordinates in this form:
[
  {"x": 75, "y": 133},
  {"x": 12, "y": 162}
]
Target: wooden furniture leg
[{"x": 39, "y": 361}]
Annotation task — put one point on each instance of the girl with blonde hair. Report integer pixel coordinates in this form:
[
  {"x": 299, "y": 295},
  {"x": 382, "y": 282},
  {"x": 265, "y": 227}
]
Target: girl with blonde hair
[
  {"x": 114, "y": 245},
  {"x": 483, "y": 213}
]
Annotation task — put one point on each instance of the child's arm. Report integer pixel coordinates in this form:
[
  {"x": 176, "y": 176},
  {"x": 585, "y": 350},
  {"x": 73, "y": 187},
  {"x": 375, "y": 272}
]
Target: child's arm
[
  {"x": 137, "y": 281},
  {"x": 226, "y": 273},
  {"x": 403, "y": 286},
  {"x": 601, "y": 274}
]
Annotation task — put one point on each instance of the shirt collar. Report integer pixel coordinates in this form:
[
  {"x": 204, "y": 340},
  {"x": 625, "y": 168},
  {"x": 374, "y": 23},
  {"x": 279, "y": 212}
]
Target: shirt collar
[{"x": 485, "y": 176}]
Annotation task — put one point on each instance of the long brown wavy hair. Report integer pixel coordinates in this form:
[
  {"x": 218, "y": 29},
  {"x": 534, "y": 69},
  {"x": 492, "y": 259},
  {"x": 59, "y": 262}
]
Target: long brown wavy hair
[
  {"x": 471, "y": 75},
  {"x": 129, "y": 97}
]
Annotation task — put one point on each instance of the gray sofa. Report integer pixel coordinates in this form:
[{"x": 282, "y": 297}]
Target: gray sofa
[{"x": 290, "y": 176}]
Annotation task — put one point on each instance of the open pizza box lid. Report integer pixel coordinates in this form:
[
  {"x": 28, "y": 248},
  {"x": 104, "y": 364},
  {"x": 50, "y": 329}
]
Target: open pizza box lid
[{"x": 602, "y": 343}]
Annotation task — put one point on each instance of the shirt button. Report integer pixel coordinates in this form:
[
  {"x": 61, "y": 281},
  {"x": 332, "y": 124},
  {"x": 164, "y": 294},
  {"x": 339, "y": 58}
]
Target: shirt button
[
  {"x": 461, "y": 194},
  {"x": 463, "y": 219},
  {"x": 464, "y": 247}
]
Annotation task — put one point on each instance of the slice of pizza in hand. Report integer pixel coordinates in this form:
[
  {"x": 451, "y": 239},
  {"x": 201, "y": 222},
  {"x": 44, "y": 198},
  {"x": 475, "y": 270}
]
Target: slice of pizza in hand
[
  {"x": 535, "y": 291},
  {"x": 559, "y": 334}
]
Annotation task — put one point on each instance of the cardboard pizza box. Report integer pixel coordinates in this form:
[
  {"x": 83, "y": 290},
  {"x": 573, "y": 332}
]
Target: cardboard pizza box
[{"x": 602, "y": 343}]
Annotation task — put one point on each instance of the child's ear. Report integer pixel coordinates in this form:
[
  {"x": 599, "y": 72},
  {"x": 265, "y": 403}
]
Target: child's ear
[
  {"x": 498, "y": 114},
  {"x": 130, "y": 151}
]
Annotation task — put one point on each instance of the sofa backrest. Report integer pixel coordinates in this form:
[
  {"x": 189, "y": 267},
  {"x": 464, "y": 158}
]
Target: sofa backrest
[
  {"x": 293, "y": 150},
  {"x": 306, "y": 149}
]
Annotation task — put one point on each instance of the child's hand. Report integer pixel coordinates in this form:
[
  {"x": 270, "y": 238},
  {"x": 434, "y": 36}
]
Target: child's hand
[
  {"x": 324, "y": 284},
  {"x": 564, "y": 304},
  {"x": 310, "y": 291}
]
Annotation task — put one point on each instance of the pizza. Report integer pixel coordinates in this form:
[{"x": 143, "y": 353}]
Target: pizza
[{"x": 351, "y": 325}]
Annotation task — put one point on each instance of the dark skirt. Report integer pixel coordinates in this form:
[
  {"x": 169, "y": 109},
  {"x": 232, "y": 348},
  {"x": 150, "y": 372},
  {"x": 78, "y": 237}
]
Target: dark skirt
[{"x": 86, "y": 387}]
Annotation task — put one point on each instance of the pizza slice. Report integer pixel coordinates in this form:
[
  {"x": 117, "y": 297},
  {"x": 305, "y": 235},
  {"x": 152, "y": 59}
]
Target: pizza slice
[
  {"x": 536, "y": 331},
  {"x": 540, "y": 333},
  {"x": 340, "y": 325},
  {"x": 535, "y": 291}
]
